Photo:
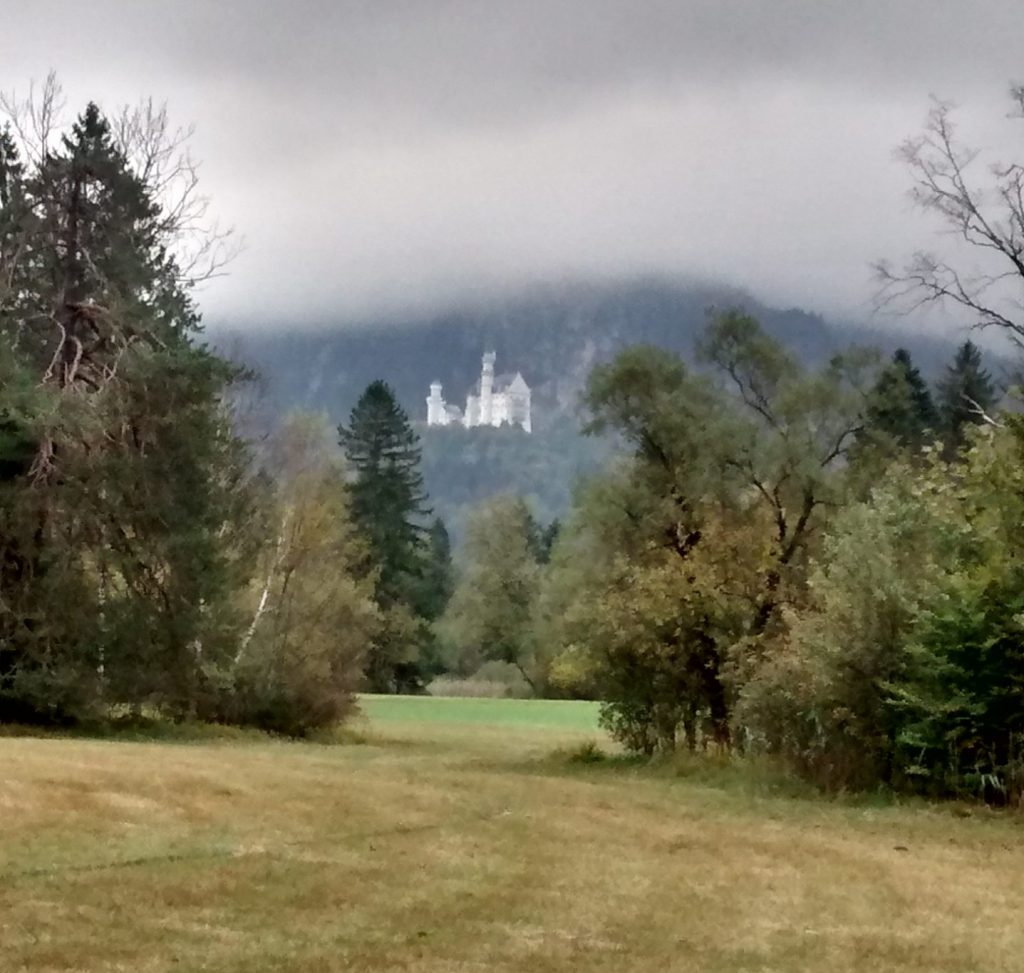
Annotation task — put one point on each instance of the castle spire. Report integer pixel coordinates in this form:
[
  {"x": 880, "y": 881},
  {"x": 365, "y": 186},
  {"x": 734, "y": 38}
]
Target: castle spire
[
  {"x": 487, "y": 389},
  {"x": 437, "y": 413}
]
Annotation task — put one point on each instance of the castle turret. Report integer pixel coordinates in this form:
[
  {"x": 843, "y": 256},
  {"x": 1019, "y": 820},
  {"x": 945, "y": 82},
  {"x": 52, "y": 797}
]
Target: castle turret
[
  {"x": 437, "y": 413},
  {"x": 487, "y": 389}
]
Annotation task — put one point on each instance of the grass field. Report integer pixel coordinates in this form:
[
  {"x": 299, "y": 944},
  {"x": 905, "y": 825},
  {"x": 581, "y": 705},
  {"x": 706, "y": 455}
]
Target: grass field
[
  {"x": 460, "y": 836},
  {"x": 527, "y": 714}
]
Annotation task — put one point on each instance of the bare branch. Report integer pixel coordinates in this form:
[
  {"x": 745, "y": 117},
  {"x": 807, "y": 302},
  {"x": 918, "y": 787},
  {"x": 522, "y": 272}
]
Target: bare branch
[
  {"x": 159, "y": 154},
  {"x": 989, "y": 221},
  {"x": 977, "y": 410},
  {"x": 36, "y": 117}
]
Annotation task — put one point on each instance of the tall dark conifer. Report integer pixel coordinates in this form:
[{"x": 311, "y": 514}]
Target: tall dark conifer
[
  {"x": 113, "y": 535},
  {"x": 437, "y": 578},
  {"x": 389, "y": 508},
  {"x": 965, "y": 391},
  {"x": 901, "y": 404},
  {"x": 388, "y": 501}
]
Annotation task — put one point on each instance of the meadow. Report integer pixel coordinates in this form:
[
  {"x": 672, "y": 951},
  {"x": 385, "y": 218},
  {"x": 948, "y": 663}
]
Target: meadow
[{"x": 472, "y": 835}]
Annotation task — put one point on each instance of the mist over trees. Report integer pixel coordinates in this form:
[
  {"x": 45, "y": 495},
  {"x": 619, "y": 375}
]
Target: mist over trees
[
  {"x": 812, "y": 556},
  {"x": 816, "y": 563}
]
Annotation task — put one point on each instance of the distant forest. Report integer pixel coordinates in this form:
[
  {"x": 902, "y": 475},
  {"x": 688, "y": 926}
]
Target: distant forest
[{"x": 554, "y": 336}]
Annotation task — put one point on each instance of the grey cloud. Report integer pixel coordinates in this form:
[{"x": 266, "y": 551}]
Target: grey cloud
[
  {"x": 381, "y": 153},
  {"x": 495, "y": 60}
]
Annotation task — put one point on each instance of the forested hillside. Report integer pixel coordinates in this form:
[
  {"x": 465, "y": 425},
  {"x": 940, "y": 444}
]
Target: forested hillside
[
  {"x": 554, "y": 336},
  {"x": 462, "y": 467}
]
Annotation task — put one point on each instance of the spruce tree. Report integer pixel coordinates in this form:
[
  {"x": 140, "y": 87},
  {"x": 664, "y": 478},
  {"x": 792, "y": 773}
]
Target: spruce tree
[
  {"x": 115, "y": 530},
  {"x": 965, "y": 391},
  {"x": 432, "y": 595},
  {"x": 437, "y": 577},
  {"x": 11, "y": 168},
  {"x": 901, "y": 404},
  {"x": 389, "y": 508},
  {"x": 14, "y": 284}
]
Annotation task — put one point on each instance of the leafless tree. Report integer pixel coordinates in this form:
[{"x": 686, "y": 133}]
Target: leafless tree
[
  {"x": 158, "y": 153},
  {"x": 35, "y": 117},
  {"x": 988, "y": 218}
]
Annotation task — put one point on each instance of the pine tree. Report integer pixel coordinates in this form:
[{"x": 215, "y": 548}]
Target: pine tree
[
  {"x": 432, "y": 595},
  {"x": 437, "y": 576},
  {"x": 13, "y": 233},
  {"x": 115, "y": 547},
  {"x": 389, "y": 507},
  {"x": 388, "y": 502},
  {"x": 543, "y": 539},
  {"x": 901, "y": 404},
  {"x": 965, "y": 391}
]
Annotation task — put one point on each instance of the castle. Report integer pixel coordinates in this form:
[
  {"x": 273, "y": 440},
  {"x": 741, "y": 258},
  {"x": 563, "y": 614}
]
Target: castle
[{"x": 490, "y": 402}]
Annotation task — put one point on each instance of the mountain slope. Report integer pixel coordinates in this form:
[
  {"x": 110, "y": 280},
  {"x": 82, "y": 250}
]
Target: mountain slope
[{"x": 554, "y": 336}]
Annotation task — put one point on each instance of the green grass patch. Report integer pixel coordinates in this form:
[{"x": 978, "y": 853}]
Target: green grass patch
[{"x": 578, "y": 716}]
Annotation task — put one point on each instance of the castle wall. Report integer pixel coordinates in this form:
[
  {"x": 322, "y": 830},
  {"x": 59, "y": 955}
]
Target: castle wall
[{"x": 488, "y": 408}]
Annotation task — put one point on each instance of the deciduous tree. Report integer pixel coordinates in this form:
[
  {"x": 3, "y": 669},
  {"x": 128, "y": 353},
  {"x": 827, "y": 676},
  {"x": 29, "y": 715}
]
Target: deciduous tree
[
  {"x": 722, "y": 502},
  {"x": 312, "y": 610},
  {"x": 491, "y": 614}
]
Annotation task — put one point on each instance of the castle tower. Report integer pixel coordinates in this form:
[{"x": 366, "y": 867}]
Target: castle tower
[
  {"x": 487, "y": 389},
  {"x": 437, "y": 414}
]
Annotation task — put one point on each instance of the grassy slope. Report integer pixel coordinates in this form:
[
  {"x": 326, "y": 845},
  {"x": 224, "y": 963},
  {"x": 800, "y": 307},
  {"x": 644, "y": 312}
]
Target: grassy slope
[{"x": 448, "y": 844}]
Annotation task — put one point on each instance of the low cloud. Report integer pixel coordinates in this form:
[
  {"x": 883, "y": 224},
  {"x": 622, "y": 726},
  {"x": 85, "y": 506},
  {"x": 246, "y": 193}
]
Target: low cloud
[{"x": 379, "y": 156}]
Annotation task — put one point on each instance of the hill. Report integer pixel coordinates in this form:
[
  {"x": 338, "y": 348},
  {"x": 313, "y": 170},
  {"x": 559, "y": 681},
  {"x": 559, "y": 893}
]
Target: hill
[{"x": 553, "y": 335}]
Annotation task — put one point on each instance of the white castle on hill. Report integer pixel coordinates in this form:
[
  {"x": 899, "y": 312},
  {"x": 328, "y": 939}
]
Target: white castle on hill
[{"x": 490, "y": 402}]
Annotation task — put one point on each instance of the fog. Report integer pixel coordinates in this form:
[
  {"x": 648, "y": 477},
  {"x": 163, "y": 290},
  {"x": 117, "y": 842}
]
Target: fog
[{"x": 380, "y": 157}]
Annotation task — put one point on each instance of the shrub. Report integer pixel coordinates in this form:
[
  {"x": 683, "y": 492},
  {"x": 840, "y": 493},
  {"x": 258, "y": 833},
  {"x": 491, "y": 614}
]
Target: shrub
[{"x": 493, "y": 680}]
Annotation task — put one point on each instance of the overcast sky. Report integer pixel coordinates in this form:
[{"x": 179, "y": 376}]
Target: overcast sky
[{"x": 394, "y": 153}]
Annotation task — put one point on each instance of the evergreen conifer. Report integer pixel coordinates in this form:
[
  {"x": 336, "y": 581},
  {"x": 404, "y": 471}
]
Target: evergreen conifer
[
  {"x": 901, "y": 404},
  {"x": 389, "y": 509},
  {"x": 965, "y": 391}
]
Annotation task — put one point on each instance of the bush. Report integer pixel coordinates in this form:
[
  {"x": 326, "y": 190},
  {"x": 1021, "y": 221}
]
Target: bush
[
  {"x": 960, "y": 707},
  {"x": 818, "y": 700},
  {"x": 587, "y": 753},
  {"x": 493, "y": 680},
  {"x": 467, "y": 687}
]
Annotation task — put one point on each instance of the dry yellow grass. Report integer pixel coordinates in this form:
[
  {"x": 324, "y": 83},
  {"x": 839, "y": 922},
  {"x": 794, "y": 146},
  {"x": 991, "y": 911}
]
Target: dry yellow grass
[{"x": 468, "y": 848}]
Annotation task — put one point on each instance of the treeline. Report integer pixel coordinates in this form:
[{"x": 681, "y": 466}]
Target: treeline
[
  {"x": 823, "y": 565},
  {"x": 820, "y": 563},
  {"x": 153, "y": 562},
  {"x": 462, "y": 468}
]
